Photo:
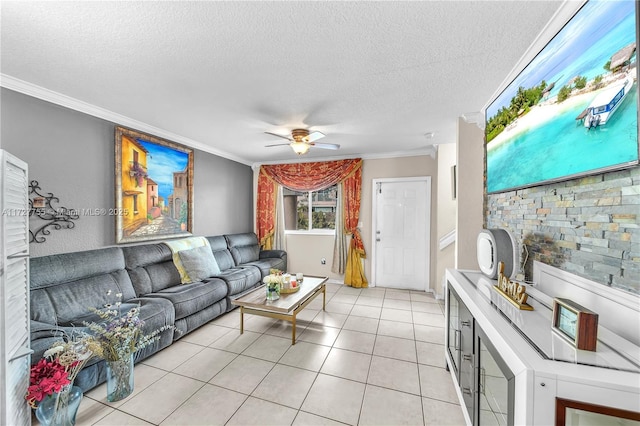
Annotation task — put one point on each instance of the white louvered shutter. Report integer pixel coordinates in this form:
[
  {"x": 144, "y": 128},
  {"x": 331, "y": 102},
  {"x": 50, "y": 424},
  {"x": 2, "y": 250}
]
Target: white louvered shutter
[{"x": 14, "y": 291}]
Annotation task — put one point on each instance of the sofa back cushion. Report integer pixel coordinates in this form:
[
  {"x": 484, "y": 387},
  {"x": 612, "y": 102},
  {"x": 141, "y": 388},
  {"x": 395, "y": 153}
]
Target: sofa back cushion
[
  {"x": 151, "y": 268},
  {"x": 243, "y": 247},
  {"x": 65, "y": 286},
  {"x": 221, "y": 252}
]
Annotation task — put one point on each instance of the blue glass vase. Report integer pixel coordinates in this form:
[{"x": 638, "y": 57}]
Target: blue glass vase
[
  {"x": 60, "y": 409},
  {"x": 119, "y": 378}
]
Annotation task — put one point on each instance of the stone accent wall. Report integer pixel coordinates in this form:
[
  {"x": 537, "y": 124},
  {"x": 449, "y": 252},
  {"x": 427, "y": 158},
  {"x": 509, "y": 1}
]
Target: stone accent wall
[{"x": 588, "y": 226}]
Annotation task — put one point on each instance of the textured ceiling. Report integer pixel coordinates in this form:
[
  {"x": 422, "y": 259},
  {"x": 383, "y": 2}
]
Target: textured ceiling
[{"x": 373, "y": 76}]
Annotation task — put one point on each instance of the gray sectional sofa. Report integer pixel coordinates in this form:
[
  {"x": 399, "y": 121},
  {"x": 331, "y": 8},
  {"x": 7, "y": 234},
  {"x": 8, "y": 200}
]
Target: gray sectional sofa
[{"x": 64, "y": 286}]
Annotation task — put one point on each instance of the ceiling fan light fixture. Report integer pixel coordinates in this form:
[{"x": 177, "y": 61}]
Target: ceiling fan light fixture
[{"x": 300, "y": 148}]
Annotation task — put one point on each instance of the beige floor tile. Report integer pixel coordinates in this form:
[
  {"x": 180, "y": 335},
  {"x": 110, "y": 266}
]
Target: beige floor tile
[
  {"x": 370, "y": 301},
  {"x": 396, "y": 329},
  {"x": 171, "y": 357},
  {"x": 347, "y": 365},
  {"x": 423, "y": 297},
  {"x": 436, "y": 383},
  {"x": 423, "y": 318},
  {"x": 391, "y": 314},
  {"x": 235, "y": 342},
  {"x": 283, "y": 329},
  {"x": 377, "y": 292},
  {"x": 230, "y": 319},
  {"x": 431, "y": 354},
  {"x": 243, "y": 374},
  {"x": 205, "y": 335},
  {"x": 366, "y": 325},
  {"x": 118, "y": 418},
  {"x": 335, "y": 398},
  {"x": 339, "y": 308},
  {"x": 355, "y": 341},
  {"x": 330, "y": 319},
  {"x": 258, "y": 324},
  {"x": 438, "y": 413},
  {"x": 286, "y": 385},
  {"x": 308, "y": 419},
  {"x": 307, "y": 314},
  {"x": 390, "y": 407},
  {"x": 345, "y": 298},
  {"x": 159, "y": 400},
  {"x": 366, "y": 311},
  {"x": 333, "y": 288},
  {"x": 394, "y": 347},
  {"x": 320, "y": 334},
  {"x": 90, "y": 411},
  {"x": 426, "y": 333},
  {"x": 394, "y": 374},
  {"x": 143, "y": 376},
  {"x": 268, "y": 348},
  {"x": 258, "y": 412},
  {"x": 397, "y": 294},
  {"x": 305, "y": 355},
  {"x": 211, "y": 405},
  {"x": 432, "y": 308},
  {"x": 349, "y": 290},
  {"x": 397, "y": 304},
  {"x": 205, "y": 364},
  {"x": 316, "y": 304}
]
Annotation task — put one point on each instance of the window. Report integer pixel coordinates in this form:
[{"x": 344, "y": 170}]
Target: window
[{"x": 309, "y": 211}]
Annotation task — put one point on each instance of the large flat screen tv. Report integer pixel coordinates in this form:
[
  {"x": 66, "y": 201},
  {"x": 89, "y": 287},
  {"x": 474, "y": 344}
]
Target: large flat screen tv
[{"x": 573, "y": 110}]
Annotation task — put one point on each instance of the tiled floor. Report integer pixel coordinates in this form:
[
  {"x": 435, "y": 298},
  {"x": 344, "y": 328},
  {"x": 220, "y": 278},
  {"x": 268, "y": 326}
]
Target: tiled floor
[{"x": 375, "y": 356}]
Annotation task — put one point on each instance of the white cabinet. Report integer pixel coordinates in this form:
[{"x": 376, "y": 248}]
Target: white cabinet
[
  {"x": 546, "y": 370},
  {"x": 14, "y": 291}
]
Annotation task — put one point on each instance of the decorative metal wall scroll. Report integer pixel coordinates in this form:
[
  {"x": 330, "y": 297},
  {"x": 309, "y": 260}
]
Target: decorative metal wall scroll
[{"x": 41, "y": 206}]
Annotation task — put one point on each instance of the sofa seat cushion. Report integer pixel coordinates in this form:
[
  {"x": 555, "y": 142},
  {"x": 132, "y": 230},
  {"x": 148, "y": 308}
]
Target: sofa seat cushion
[
  {"x": 187, "y": 299},
  {"x": 156, "y": 313},
  {"x": 266, "y": 264},
  {"x": 240, "y": 279}
]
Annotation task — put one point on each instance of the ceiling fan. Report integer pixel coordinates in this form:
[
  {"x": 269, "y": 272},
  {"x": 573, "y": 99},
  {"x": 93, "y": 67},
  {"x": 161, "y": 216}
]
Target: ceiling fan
[{"x": 301, "y": 140}]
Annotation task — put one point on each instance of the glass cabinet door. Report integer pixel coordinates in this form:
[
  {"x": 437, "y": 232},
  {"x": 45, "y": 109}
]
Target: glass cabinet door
[
  {"x": 496, "y": 385},
  {"x": 453, "y": 330}
]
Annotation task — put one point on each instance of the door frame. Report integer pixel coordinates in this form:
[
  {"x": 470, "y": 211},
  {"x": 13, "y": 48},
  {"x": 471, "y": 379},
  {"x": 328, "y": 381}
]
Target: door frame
[{"x": 374, "y": 222}]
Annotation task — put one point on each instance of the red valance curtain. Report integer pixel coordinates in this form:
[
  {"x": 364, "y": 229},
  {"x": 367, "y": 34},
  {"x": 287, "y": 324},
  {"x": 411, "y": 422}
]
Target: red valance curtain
[{"x": 313, "y": 177}]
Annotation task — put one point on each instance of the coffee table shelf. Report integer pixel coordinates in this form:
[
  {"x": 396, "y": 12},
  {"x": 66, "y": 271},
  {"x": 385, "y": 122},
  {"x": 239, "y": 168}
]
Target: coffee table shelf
[{"x": 287, "y": 306}]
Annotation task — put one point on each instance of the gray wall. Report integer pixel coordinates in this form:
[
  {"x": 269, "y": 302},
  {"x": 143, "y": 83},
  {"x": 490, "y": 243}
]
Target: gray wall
[
  {"x": 588, "y": 226},
  {"x": 71, "y": 155}
]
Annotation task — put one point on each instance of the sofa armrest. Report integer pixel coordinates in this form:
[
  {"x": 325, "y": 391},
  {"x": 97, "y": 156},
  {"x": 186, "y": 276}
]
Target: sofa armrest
[
  {"x": 44, "y": 335},
  {"x": 265, "y": 254}
]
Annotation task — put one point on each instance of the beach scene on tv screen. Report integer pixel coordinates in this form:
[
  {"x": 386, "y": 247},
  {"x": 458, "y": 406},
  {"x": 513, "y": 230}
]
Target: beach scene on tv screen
[{"x": 574, "y": 108}]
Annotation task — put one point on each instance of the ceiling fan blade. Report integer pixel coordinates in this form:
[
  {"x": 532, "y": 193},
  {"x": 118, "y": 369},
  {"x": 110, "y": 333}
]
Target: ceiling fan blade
[
  {"x": 314, "y": 136},
  {"x": 277, "y": 144},
  {"x": 280, "y": 136},
  {"x": 325, "y": 145}
]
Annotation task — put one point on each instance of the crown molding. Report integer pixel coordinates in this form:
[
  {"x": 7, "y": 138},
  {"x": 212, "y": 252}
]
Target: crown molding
[
  {"x": 53, "y": 97},
  {"x": 430, "y": 150},
  {"x": 44, "y": 94}
]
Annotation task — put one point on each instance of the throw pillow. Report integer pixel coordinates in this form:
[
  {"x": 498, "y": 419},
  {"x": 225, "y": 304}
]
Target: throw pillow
[{"x": 199, "y": 263}]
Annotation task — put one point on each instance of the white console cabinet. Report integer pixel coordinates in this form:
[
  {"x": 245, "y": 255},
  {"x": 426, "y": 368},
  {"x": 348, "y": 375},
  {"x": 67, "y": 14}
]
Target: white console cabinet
[
  {"x": 510, "y": 368},
  {"x": 14, "y": 291}
]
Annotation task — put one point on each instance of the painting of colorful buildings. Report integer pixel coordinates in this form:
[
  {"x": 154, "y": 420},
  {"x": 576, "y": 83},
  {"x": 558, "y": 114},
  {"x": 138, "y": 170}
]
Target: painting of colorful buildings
[{"x": 153, "y": 187}]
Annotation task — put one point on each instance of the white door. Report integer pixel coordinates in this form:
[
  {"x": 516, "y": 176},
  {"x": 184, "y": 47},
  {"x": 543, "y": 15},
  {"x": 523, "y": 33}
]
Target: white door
[{"x": 401, "y": 232}]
